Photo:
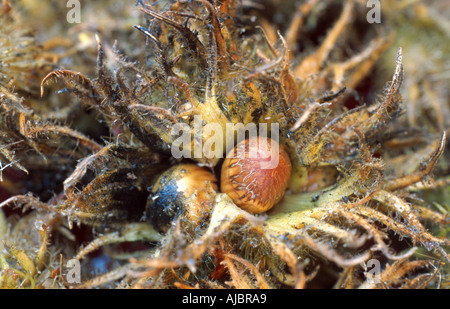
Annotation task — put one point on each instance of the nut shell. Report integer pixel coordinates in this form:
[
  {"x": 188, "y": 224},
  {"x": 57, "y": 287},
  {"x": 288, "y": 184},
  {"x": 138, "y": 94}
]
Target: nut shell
[
  {"x": 250, "y": 178},
  {"x": 185, "y": 189}
]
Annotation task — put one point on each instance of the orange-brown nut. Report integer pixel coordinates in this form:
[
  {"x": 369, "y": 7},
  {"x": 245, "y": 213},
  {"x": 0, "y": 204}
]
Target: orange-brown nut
[
  {"x": 186, "y": 189},
  {"x": 255, "y": 174}
]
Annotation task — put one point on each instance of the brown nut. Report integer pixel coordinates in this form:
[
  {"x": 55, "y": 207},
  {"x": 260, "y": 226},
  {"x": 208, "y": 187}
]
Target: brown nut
[{"x": 255, "y": 174}]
